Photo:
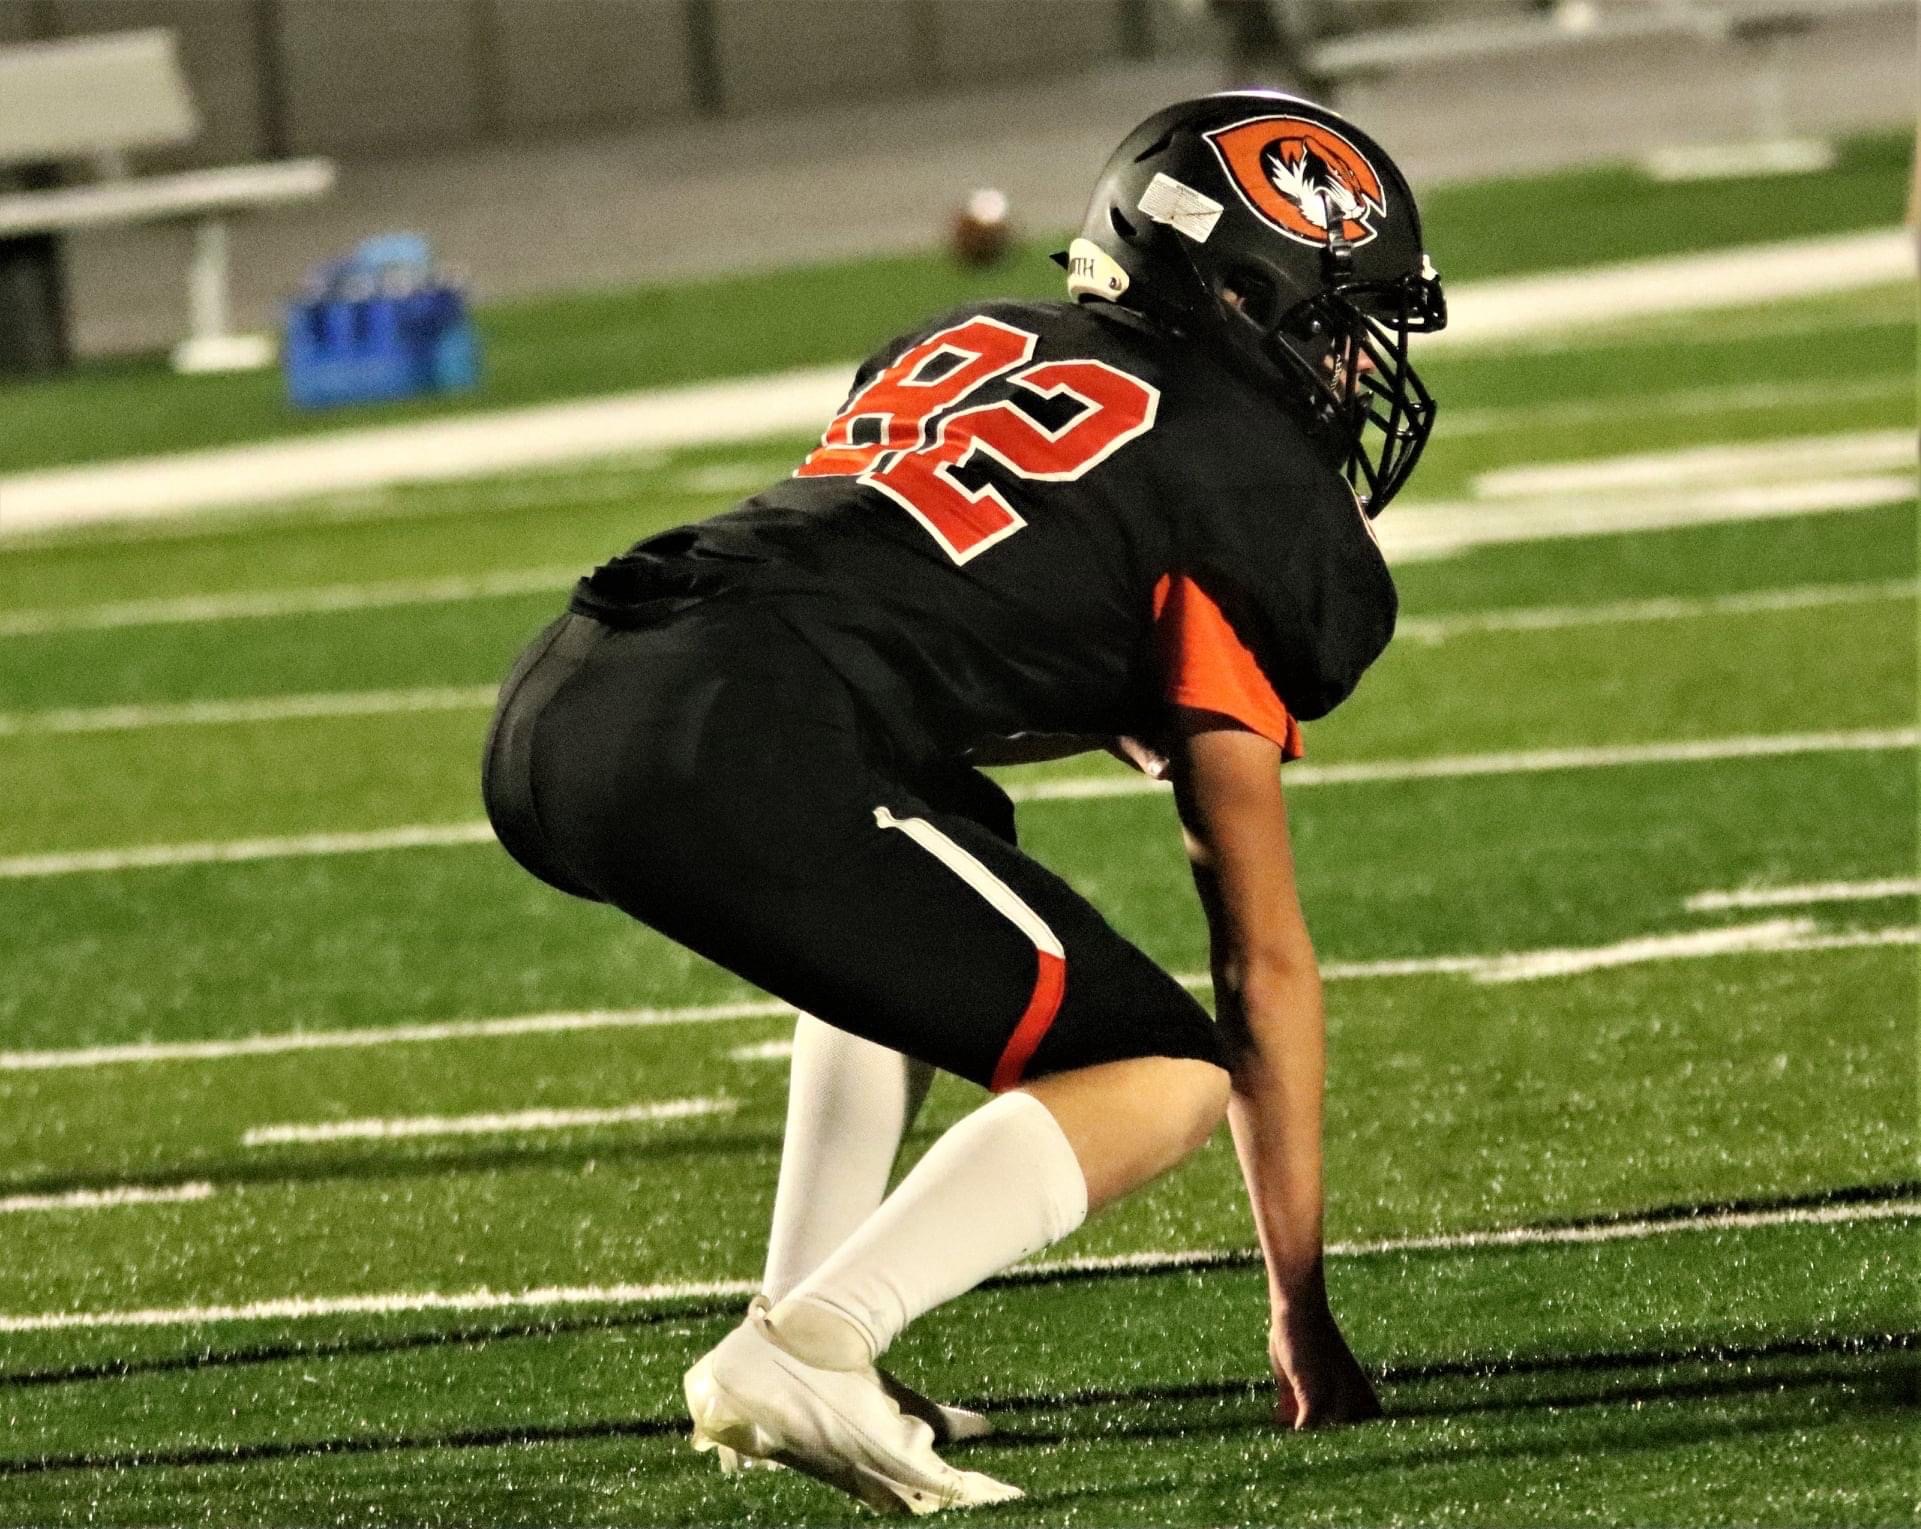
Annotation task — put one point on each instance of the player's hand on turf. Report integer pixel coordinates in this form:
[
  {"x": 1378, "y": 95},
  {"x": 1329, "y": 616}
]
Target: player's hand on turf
[{"x": 1318, "y": 1381}]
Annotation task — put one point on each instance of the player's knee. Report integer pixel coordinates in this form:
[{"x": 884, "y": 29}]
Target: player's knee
[{"x": 1196, "y": 1095}]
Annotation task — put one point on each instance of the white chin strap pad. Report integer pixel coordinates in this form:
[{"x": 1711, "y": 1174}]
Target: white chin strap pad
[{"x": 1092, "y": 272}]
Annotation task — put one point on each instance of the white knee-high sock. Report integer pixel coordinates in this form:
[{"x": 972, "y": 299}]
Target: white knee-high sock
[
  {"x": 849, "y": 1102},
  {"x": 1000, "y": 1185}
]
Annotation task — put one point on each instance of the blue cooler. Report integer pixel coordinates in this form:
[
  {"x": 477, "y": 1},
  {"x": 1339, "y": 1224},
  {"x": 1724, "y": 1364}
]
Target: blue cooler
[{"x": 382, "y": 323}]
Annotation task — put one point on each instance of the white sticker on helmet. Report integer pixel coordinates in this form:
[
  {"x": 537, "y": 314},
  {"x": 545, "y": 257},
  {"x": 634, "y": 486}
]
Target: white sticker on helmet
[{"x": 1182, "y": 208}]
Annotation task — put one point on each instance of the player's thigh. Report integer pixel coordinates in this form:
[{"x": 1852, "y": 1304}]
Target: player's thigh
[
  {"x": 714, "y": 781},
  {"x": 1014, "y": 959},
  {"x": 507, "y": 787},
  {"x": 922, "y": 931}
]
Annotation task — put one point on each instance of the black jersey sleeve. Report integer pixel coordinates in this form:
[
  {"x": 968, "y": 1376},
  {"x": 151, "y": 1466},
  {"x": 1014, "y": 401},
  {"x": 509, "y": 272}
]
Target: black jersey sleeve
[{"x": 1274, "y": 535}]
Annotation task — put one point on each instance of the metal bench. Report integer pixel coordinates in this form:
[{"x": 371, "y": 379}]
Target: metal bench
[{"x": 92, "y": 101}]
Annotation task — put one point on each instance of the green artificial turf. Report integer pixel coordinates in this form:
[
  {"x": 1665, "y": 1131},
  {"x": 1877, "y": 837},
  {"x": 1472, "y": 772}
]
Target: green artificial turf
[
  {"x": 1613, "y": 212},
  {"x": 1497, "y": 690},
  {"x": 1575, "y": 859},
  {"x": 1505, "y": 408},
  {"x": 1700, "y": 1371},
  {"x": 1658, "y": 1401},
  {"x": 654, "y": 336}
]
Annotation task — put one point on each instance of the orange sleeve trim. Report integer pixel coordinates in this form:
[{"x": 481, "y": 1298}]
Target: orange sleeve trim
[{"x": 1205, "y": 665}]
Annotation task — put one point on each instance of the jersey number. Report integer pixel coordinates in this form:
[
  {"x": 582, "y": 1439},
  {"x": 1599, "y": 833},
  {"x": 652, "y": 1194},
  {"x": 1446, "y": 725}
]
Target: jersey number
[{"x": 903, "y": 435}]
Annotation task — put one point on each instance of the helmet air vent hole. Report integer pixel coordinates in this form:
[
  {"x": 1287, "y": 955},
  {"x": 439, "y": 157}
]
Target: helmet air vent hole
[
  {"x": 1155, "y": 147},
  {"x": 1121, "y": 226},
  {"x": 1251, "y": 294}
]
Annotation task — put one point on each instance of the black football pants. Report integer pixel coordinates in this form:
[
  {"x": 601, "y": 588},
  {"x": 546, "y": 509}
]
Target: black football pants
[{"x": 713, "y": 777}]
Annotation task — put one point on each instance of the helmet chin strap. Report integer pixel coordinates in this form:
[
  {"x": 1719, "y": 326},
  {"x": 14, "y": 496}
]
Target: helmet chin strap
[
  {"x": 1093, "y": 273},
  {"x": 1337, "y": 260},
  {"x": 1299, "y": 347}
]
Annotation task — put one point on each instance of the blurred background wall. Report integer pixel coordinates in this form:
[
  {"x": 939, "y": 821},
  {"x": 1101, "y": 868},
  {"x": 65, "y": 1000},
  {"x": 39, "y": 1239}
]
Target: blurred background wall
[
  {"x": 559, "y": 144},
  {"x": 281, "y": 77},
  {"x": 289, "y": 77}
]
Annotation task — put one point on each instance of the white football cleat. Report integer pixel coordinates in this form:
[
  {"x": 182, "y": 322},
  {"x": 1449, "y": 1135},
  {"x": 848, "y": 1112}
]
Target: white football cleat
[
  {"x": 752, "y": 1399},
  {"x": 951, "y": 1425}
]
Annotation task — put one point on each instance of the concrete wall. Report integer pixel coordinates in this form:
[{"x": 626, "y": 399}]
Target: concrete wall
[
  {"x": 980, "y": 42},
  {"x": 18, "y": 24},
  {"x": 364, "y": 75},
  {"x": 776, "y": 54},
  {"x": 378, "y": 77},
  {"x": 561, "y": 64}
]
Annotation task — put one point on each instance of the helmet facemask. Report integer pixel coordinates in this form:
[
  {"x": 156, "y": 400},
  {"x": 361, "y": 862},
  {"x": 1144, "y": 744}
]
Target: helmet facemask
[{"x": 1344, "y": 353}]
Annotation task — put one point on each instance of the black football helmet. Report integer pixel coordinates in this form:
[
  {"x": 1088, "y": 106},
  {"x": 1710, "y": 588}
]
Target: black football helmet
[{"x": 1276, "y": 233}]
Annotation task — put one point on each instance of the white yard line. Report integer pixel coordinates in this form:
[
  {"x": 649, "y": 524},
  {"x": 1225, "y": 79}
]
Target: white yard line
[
  {"x": 1547, "y": 618},
  {"x": 1608, "y": 496},
  {"x": 272, "y": 708},
  {"x": 1716, "y": 402},
  {"x": 750, "y": 408},
  {"x": 1074, "y": 788},
  {"x": 108, "y": 1199},
  {"x": 600, "y": 480},
  {"x": 765, "y": 1051},
  {"x": 287, "y": 1043},
  {"x": 1826, "y": 324},
  {"x": 1774, "y": 936},
  {"x": 609, "y": 479},
  {"x": 1419, "y": 533},
  {"x": 1806, "y": 894},
  {"x": 1422, "y": 629},
  {"x": 1868, "y": 451},
  {"x": 1742, "y": 939},
  {"x": 613, "y": 478},
  {"x": 733, "y": 478},
  {"x": 1369, "y": 971},
  {"x": 1847, "y": 939},
  {"x": 1609, "y": 756},
  {"x": 493, "y": 1124},
  {"x": 294, "y": 1308},
  {"x": 240, "y": 851},
  {"x": 1485, "y": 313},
  {"x": 1527, "y": 761},
  {"x": 259, "y": 604},
  {"x": 1636, "y": 1231},
  {"x": 474, "y": 446}
]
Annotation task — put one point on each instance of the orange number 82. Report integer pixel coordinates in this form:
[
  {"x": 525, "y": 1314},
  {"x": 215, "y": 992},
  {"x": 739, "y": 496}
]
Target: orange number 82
[{"x": 916, "y": 436}]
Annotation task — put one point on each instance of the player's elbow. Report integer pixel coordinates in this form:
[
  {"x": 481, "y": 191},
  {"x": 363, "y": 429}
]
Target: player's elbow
[
  {"x": 1259, "y": 974},
  {"x": 1264, "y": 997}
]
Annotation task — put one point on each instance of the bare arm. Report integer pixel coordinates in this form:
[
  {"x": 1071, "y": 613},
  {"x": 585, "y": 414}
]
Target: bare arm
[{"x": 1268, "y": 1000}]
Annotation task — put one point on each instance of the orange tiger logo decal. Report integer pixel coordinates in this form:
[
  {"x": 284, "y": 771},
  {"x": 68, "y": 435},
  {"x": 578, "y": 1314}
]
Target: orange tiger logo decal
[{"x": 1302, "y": 177}]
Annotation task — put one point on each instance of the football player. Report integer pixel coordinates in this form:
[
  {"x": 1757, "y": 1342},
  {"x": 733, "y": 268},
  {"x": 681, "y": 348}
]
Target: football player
[{"x": 1139, "y": 515}]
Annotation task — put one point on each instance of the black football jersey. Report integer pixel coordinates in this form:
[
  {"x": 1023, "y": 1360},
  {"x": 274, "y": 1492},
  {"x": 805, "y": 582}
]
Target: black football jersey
[{"x": 976, "y": 542}]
